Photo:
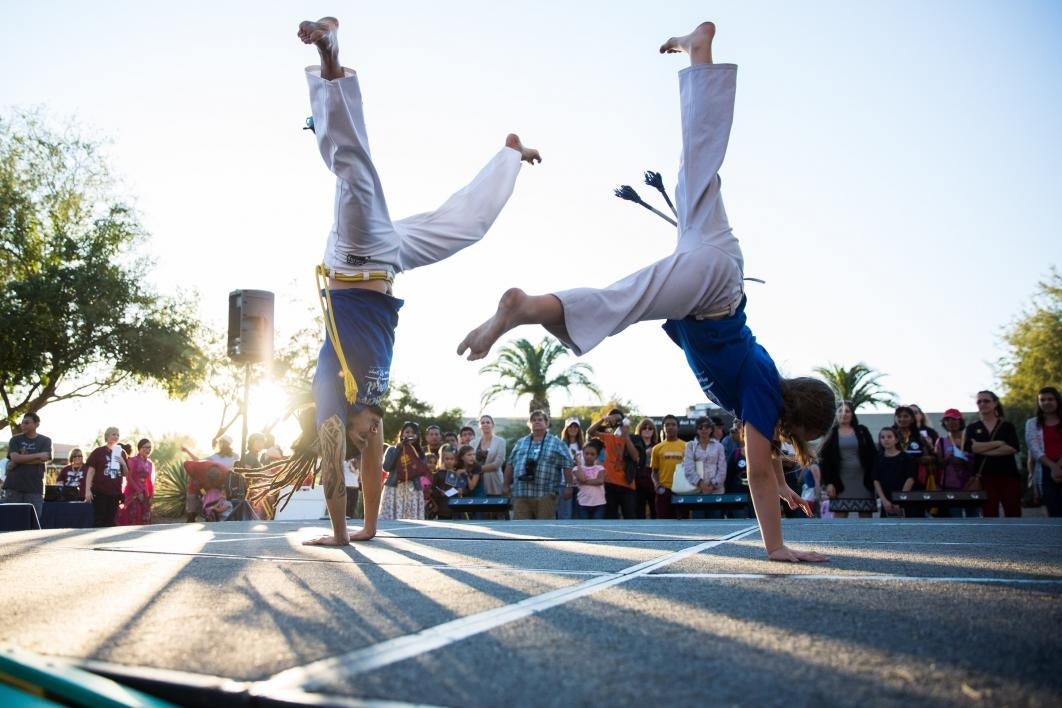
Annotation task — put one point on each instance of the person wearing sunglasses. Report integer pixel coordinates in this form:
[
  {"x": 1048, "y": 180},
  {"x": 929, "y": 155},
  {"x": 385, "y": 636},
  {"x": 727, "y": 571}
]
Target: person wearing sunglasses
[{"x": 994, "y": 442}]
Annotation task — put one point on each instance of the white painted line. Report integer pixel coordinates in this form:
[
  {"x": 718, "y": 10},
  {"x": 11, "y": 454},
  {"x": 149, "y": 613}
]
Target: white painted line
[
  {"x": 856, "y": 578},
  {"x": 411, "y": 645}
]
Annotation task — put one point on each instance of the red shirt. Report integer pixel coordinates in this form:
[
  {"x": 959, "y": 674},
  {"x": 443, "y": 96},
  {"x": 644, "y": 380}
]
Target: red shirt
[
  {"x": 205, "y": 474},
  {"x": 69, "y": 477},
  {"x": 107, "y": 477},
  {"x": 1052, "y": 442}
]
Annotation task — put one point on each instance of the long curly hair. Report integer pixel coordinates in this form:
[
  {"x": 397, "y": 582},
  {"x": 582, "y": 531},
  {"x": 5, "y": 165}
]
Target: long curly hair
[{"x": 809, "y": 408}]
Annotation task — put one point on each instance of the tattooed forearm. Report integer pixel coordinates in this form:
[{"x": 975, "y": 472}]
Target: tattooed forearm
[{"x": 333, "y": 444}]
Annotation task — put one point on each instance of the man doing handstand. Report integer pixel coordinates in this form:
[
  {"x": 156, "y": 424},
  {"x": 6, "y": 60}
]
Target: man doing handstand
[{"x": 365, "y": 250}]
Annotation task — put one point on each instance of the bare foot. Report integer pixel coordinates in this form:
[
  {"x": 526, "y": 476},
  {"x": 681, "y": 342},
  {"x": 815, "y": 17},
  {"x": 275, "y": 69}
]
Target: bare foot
[
  {"x": 362, "y": 534},
  {"x": 479, "y": 341},
  {"x": 328, "y": 540},
  {"x": 324, "y": 34},
  {"x": 528, "y": 155},
  {"x": 698, "y": 44}
]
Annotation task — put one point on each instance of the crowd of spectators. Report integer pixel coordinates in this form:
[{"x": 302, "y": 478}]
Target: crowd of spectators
[
  {"x": 118, "y": 481},
  {"x": 616, "y": 469}
]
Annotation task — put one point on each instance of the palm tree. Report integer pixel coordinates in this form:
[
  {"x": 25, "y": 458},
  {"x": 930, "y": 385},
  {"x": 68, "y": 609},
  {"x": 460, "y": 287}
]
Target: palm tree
[
  {"x": 858, "y": 384},
  {"x": 523, "y": 368}
]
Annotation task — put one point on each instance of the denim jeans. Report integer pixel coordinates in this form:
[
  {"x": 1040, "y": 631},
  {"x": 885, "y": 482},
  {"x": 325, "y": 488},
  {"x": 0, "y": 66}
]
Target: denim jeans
[{"x": 592, "y": 512}]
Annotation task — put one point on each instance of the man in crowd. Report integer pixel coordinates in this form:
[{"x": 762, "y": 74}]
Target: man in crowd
[
  {"x": 466, "y": 435},
  {"x": 28, "y": 454},
  {"x": 534, "y": 470},
  {"x": 433, "y": 438},
  {"x": 621, "y": 496},
  {"x": 665, "y": 459}
]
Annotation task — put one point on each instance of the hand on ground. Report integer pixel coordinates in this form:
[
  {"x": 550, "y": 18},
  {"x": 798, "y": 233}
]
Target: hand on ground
[{"x": 788, "y": 555}]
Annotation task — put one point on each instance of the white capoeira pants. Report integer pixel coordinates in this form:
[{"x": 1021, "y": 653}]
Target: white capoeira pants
[
  {"x": 704, "y": 274},
  {"x": 363, "y": 236}
]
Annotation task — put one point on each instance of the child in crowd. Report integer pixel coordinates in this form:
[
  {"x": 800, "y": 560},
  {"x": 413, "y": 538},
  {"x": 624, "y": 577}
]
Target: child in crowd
[
  {"x": 447, "y": 477},
  {"x": 590, "y": 478},
  {"x": 216, "y": 506},
  {"x": 894, "y": 471},
  {"x": 466, "y": 464}
]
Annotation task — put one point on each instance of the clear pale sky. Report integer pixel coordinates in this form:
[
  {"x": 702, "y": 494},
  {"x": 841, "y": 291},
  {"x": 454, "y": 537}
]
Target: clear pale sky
[{"x": 893, "y": 174}]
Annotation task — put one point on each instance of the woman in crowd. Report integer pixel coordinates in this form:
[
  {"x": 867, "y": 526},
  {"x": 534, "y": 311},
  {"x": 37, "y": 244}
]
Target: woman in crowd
[
  {"x": 139, "y": 487},
  {"x": 908, "y": 437},
  {"x": 928, "y": 461},
  {"x": 224, "y": 455},
  {"x": 403, "y": 496},
  {"x": 954, "y": 464},
  {"x": 846, "y": 464},
  {"x": 1043, "y": 436},
  {"x": 567, "y": 497},
  {"x": 103, "y": 481},
  {"x": 994, "y": 442},
  {"x": 894, "y": 471},
  {"x": 73, "y": 475},
  {"x": 644, "y": 439},
  {"x": 910, "y": 442},
  {"x": 704, "y": 464},
  {"x": 490, "y": 454},
  {"x": 927, "y": 432}
]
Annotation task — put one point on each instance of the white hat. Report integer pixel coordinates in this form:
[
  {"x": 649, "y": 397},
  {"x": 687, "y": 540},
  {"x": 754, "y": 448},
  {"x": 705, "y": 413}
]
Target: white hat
[{"x": 571, "y": 420}]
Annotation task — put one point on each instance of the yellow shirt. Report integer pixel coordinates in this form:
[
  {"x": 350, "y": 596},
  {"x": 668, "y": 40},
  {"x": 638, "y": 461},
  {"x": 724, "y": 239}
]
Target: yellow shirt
[{"x": 665, "y": 458}]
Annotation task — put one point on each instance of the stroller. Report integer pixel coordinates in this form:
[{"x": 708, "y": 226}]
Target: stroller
[{"x": 236, "y": 491}]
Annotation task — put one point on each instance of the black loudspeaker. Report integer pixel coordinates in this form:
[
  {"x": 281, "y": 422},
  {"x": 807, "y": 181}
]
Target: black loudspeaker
[{"x": 250, "y": 326}]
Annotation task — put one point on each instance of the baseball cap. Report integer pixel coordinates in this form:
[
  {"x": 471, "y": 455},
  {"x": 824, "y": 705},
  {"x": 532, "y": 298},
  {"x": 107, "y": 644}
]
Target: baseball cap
[
  {"x": 952, "y": 413},
  {"x": 571, "y": 420}
]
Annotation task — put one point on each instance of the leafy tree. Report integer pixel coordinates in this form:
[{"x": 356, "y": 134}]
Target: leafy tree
[
  {"x": 401, "y": 405},
  {"x": 1034, "y": 341},
  {"x": 79, "y": 314},
  {"x": 859, "y": 384},
  {"x": 523, "y": 369}
]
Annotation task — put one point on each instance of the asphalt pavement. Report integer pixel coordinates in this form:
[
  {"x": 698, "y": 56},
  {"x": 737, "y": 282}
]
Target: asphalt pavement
[{"x": 565, "y": 613}]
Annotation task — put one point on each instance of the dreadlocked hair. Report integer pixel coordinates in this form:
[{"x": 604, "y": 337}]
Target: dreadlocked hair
[
  {"x": 272, "y": 487},
  {"x": 808, "y": 410}
]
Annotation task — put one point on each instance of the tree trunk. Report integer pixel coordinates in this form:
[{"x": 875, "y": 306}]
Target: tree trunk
[{"x": 539, "y": 404}]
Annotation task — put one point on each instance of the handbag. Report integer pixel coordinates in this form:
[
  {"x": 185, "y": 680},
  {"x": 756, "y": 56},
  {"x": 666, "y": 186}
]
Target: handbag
[{"x": 679, "y": 483}]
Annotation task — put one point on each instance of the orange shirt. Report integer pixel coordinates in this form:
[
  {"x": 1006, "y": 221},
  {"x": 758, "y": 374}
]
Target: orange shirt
[{"x": 614, "y": 466}]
